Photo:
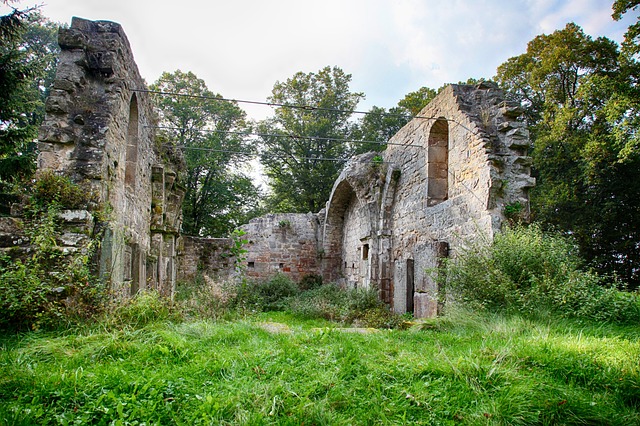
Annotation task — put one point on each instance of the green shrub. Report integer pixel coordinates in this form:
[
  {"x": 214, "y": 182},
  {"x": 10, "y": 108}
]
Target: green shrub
[
  {"x": 310, "y": 281},
  {"x": 47, "y": 287},
  {"x": 529, "y": 271},
  {"x": 50, "y": 188}
]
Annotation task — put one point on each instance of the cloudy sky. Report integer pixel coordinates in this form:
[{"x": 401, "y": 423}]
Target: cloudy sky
[{"x": 391, "y": 47}]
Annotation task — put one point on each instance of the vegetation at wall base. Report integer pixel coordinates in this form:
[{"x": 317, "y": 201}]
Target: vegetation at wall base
[
  {"x": 307, "y": 300},
  {"x": 155, "y": 361},
  {"x": 42, "y": 286}
]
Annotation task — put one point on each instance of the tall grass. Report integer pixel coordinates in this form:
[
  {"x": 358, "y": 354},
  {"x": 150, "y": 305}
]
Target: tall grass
[{"x": 466, "y": 368}]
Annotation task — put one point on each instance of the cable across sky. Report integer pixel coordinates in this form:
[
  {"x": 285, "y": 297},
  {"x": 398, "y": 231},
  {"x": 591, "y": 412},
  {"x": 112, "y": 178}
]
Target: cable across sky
[
  {"x": 300, "y": 107},
  {"x": 283, "y": 135}
]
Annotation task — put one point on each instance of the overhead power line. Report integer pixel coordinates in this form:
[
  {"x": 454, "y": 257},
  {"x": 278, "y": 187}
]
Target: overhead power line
[
  {"x": 272, "y": 104},
  {"x": 282, "y": 135},
  {"x": 255, "y": 154},
  {"x": 301, "y": 107}
]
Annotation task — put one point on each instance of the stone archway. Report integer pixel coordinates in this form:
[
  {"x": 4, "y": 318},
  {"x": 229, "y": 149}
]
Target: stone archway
[{"x": 333, "y": 264}]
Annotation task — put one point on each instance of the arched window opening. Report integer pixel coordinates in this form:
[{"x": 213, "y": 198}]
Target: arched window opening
[
  {"x": 438, "y": 163},
  {"x": 132, "y": 144}
]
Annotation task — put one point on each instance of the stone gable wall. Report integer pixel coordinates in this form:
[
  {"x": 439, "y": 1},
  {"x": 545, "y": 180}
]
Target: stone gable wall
[{"x": 444, "y": 181}]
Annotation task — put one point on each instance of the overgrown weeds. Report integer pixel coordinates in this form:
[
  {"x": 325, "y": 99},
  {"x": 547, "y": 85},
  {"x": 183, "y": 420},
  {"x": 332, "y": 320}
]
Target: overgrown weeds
[
  {"x": 144, "y": 308},
  {"x": 44, "y": 286},
  {"x": 309, "y": 299},
  {"x": 360, "y": 307}
]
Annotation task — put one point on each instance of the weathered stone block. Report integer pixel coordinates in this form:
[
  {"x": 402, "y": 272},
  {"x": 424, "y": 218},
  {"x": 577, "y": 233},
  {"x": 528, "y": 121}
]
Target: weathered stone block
[
  {"x": 77, "y": 217},
  {"x": 425, "y": 306},
  {"x": 12, "y": 232}
]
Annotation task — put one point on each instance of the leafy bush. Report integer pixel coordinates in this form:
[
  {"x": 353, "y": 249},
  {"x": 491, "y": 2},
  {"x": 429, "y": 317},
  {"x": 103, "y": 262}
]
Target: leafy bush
[
  {"x": 529, "y": 271},
  {"x": 47, "y": 288}
]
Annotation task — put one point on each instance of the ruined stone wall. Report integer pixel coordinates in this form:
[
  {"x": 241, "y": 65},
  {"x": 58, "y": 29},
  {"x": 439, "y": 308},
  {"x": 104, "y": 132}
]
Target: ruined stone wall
[
  {"x": 211, "y": 257},
  {"x": 445, "y": 179},
  {"x": 98, "y": 130},
  {"x": 454, "y": 166},
  {"x": 286, "y": 243}
]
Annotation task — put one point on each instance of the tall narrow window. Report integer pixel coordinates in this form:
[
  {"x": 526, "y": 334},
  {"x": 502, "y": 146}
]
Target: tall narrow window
[
  {"x": 365, "y": 251},
  {"x": 410, "y": 285},
  {"x": 438, "y": 163},
  {"x": 132, "y": 144}
]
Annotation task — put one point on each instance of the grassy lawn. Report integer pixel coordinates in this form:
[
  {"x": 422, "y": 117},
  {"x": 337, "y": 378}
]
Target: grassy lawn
[{"x": 277, "y": 369}]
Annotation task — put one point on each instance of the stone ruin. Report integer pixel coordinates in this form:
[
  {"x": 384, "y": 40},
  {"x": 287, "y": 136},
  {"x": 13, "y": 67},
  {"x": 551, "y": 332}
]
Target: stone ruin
[
  {"x": 98, "y": 130},
  {"x": 450, "y": 176}
]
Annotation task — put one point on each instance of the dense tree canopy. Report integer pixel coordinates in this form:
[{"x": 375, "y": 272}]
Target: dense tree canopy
[
  {"x": 219, "y": 195},
  {"x": 631, "y": 44},
  {"x": 28, "y": 58},
  {"x": 302, "y": 147},
  {"x": 374, "y": 129},
  {"x": 581, "y": 98}
]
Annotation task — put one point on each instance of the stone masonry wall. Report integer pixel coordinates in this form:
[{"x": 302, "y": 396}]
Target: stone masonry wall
[
  {"x": 98, "y": 129},
  {"x": 285, "y": 243},
  {"x": 485, "y": 150},
  {"x": 443, "y": 181},
  {"x": 211, "y": 257}
]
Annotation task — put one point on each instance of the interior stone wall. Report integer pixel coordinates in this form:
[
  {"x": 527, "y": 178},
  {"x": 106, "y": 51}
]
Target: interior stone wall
[
  {"x": 355, "y": 245},
  {"x": 282, "y": 243},
  {"x": 211, "y": 257}
]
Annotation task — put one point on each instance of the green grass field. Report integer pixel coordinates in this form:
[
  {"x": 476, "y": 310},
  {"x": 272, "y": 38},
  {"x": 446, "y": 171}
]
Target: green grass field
[{"x": 463, "y": 369}]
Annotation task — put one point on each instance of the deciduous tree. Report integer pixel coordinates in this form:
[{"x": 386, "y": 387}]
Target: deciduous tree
[
  {"x": 302, "y": 148},
  {"x": 219, "y": 195},
  {"x": 581, "y": 98},
  {"x": 377, "y": 126}
]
